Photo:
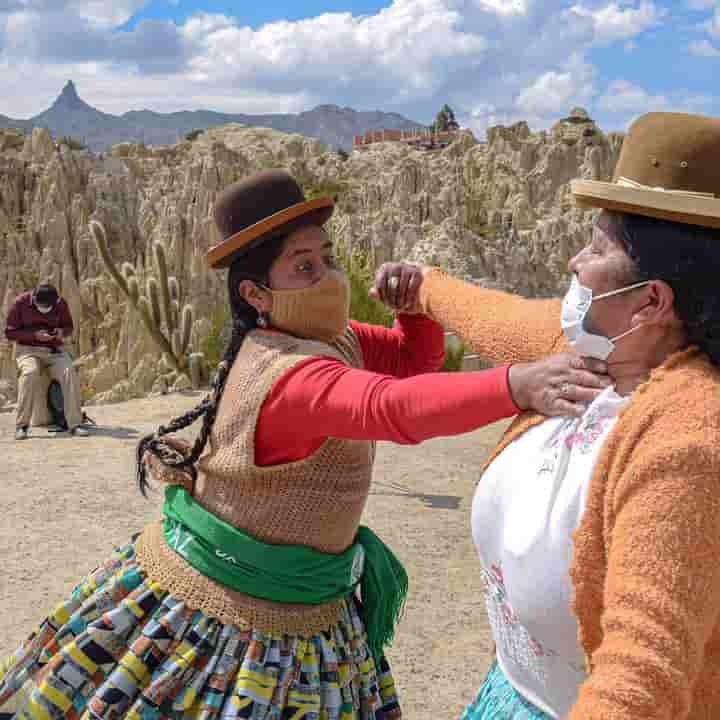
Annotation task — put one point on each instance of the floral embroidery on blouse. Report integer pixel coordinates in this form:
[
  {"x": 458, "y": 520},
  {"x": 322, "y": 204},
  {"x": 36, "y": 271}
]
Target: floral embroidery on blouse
[
  {"x": 517, "y": 642},
  {"x": 591, "y": 429},
  {"x": 561, "y": 458},
  {"x": 579, "y": 433}
]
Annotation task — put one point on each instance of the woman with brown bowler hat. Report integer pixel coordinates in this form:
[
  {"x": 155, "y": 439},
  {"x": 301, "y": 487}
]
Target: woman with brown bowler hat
[
  {"x": 259, "y": 594},
  {"x": 599, "y": 535}
]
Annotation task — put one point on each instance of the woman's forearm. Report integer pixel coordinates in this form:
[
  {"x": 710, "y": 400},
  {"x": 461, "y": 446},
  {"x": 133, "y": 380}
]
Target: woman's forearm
[
  {"x": 500, "y": 326},
  {"x": 323, "y": 398}
]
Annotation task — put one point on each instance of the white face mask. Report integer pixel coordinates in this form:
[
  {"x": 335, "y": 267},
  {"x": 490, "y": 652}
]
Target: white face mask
[
  {"x": 43, "y": 310},
  {"x": 575, "y": 307}
]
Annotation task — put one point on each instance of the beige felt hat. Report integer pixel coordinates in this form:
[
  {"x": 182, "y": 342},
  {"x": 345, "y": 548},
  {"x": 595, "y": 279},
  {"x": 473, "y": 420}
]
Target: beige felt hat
[{"x": 669, "y": 168}]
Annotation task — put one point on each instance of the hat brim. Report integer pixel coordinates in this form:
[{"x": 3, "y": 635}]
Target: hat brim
[
  {"x": 311, "y": 212},
  {"x": 676, "y": 207}
]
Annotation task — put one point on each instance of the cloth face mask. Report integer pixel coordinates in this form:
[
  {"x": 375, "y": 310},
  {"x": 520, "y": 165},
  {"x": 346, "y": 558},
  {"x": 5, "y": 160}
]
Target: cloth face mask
[
  {"x": 320, "y": 312},
  {"x": 575, "y": 307}
]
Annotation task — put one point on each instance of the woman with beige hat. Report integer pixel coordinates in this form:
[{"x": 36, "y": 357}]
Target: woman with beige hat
[
  {"x": 599, "y": 535},
  {"x": 259, "y": 595}
]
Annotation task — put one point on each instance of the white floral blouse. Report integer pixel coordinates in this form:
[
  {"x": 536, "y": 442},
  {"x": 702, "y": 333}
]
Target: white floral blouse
[{"x": 527, "y": 505}]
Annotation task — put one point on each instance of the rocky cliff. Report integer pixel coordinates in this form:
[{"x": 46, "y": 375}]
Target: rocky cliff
[{"x": 498, "y": 211}]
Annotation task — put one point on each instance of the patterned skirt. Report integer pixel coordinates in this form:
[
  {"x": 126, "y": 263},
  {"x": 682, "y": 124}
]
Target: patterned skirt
[
  {"x": 498, "y": 700},
  {"x": 121, "y": 647}
]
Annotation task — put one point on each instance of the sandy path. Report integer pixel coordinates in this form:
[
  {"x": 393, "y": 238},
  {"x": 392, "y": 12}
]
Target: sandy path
[{"x": 66, "y": 502}]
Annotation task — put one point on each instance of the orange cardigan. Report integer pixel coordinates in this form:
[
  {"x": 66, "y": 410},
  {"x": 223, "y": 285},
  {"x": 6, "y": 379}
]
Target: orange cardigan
[{"x": 646, "y": 559}]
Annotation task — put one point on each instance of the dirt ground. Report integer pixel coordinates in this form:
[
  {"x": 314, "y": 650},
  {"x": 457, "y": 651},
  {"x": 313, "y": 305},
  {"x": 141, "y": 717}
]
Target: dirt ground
[{"x": 66, "y": 502}]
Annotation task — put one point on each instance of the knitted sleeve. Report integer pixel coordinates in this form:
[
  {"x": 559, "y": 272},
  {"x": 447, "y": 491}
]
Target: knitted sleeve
[
  {"x": 662, "y": 590},
  {"x": 499, "y": 326}
]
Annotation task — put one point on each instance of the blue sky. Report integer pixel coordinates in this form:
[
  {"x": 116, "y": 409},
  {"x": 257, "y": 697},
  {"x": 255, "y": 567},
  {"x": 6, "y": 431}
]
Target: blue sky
[
  {"x": 253, "y": 14},
  {"x": 494, "y": 61}
]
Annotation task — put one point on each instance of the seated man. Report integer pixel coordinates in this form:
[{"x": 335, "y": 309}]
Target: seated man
[{"x": 38, "y": 322}]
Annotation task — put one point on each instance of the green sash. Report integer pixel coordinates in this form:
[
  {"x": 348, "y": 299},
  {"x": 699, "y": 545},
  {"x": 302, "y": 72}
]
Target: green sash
[{"x": 289, "y": 573}]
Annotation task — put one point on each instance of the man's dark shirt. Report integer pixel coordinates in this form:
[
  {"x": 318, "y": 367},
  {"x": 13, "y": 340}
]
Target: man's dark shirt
[{"x": 24, "y": 320}]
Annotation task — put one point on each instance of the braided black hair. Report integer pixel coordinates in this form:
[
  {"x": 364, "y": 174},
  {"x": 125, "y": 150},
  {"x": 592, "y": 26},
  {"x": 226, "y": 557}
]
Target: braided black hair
[
  {"x": 253, "y": 265},
  {"x": 687, "y": 258}
]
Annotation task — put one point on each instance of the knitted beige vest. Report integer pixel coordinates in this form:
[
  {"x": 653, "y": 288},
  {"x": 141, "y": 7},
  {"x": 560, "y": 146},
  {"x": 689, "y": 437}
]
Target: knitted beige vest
[{"x": 316, "y": 501}]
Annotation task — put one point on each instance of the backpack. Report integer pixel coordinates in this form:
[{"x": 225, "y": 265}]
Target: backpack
[{"x": 56, "y": 407}]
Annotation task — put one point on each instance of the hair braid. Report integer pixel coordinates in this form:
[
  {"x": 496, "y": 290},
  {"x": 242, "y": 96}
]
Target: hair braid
[
  {"x": 238, "y": 335},
  {"x": 207, "y": 409},
  {"x": 255, "y": 266}
]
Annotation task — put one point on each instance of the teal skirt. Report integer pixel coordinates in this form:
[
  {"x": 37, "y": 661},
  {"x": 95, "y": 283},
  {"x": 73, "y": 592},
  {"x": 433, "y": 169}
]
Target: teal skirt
[{"x": 498, "y": 700}]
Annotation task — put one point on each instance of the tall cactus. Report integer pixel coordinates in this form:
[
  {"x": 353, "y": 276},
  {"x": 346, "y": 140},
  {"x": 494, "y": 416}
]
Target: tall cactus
[{"x": 158, "y": 307}]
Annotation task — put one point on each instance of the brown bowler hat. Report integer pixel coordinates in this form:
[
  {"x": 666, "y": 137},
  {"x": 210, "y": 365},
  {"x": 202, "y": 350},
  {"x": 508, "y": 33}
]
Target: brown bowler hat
[
  {"x": 669, "y": 168},
  {"x": 263, "y": 205}
]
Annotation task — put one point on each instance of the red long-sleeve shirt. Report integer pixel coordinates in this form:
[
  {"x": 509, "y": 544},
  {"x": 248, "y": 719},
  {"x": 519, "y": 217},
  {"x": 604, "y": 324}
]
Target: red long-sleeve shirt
[
  {"x": 24, "y": 320},
  {"x": 399, "y": 396}
]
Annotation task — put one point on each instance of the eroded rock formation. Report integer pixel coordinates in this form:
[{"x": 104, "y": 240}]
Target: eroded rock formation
[{"x": 498, "y": 211}]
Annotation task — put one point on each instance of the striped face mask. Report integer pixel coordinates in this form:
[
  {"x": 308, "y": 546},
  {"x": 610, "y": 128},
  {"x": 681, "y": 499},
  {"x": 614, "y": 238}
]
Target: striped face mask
[{"x": 575, "y": 307}]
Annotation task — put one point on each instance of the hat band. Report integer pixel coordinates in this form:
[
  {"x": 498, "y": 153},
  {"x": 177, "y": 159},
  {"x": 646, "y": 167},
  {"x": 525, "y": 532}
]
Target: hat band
[{"x": 627, "y": 182}]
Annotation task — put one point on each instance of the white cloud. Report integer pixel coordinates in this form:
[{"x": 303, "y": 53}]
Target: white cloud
[
  {"x": 405, "y": 52},
  {"x": 492, "y": 60},
  {"x": 703, "y": 48},
  {"x": 503, "y": 7},
  {"x": 52, "y": 38},
  {"x": 700, "y": 4},
  {"x": 625, "y": 97},
  {"x": 709, "y": 26},
  {"x": 102, "y": 13},
  {"x": 554, "y": 92},
  {"x": 551, "y": 91},
  {"x": 99, "y": 13},
  {"x": 713, "y": 25},
  {"x": 614, "y": 21},
  {"x": 409, "y": 50}
]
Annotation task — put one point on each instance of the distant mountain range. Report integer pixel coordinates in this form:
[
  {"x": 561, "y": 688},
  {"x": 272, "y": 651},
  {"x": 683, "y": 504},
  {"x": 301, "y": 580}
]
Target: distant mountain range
[{"x": 70, "y": 115}]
